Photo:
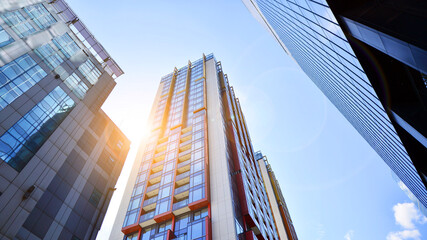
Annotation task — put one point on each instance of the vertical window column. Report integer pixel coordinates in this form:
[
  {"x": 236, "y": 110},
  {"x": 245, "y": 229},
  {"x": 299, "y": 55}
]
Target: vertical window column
[
  {"x": 17, "y": 77},
  {"x": 18, "y": 23},
  {"x": 21, "y": 142}
]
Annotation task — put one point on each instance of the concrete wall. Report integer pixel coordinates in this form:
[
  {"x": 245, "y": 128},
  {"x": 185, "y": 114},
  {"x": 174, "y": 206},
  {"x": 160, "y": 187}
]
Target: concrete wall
[{"x": 223, "y": 223}]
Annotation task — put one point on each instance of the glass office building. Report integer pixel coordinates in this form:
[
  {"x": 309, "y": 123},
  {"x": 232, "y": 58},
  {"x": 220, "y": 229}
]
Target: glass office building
[
  {"x": 308, "y": 32},
  {"x": 60, "y": 154},
  {"x": 198, "y": 177}
]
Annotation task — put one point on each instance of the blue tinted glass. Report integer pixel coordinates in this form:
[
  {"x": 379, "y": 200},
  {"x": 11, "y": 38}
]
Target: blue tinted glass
[
  {"x": 316, "y": 42},
  {"x": 19, "y": 24},
  {"x": 17, "y": 77},
  {"x": 40, "y": 15},
  {"x": 5, "y": 38},
  {"x": 19, "y": 144}
]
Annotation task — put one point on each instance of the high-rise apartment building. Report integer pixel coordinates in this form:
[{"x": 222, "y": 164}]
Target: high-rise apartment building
[
  {"x": 369, "y": 59},
  {"x": 198, "y": 176},
  {"x": 60, "y": 154},
  {"x": 282, "y": 217}
]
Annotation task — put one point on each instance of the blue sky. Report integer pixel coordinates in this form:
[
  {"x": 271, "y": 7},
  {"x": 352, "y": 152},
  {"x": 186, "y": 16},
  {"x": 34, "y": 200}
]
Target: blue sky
[{"x": 335, "y": 185}]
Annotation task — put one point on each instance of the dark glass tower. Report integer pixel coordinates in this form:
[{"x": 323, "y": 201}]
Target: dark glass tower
[{"x": 380, "y": 89}]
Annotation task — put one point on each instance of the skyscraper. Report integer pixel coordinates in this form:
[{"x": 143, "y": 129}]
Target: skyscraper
[
  {"x": 60, "y": 154},
  {"x": 198, "y": 177},
  {"x": 376, "y": 80}
]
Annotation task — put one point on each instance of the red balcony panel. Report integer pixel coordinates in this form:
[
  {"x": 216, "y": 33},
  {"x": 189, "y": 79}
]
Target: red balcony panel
[
  {"x": 249, "y": 221},
  {"x": 163, "y": 217},
  {"x": 250, "y": 235},
  {"x": 198, "y": 204},
  {"x": 208, "y": 228},
  {"x": 170, "y": 235},
  {"x": 131, "y": 228},
  {"x": 242, "y": 195}
]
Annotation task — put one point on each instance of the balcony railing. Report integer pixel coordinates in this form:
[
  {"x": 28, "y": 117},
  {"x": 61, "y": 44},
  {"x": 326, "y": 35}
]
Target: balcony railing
[
  {"x": 159, "y": 154},
  {"x": 182, "y": 189},
  {"x": 147, "y": 216},
  {"x": 153, "y": 187},
  {"x": 149, "y": 201},
  {"x": 154, "y": 175},
  {"x": 157, "y": 164},
  {"x": 184, "y": 153},
  {"x": 186, "y": 134},
  {"x": 182, "y": 175},
  {"x": 180, "y": 204},
  {"x": 180, "y": 165}
]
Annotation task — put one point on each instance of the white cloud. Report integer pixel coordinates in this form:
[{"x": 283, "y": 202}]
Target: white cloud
[
  {"x": 406, "y": 234},
  {"x": 349, "y": 235},
  {"x": 406, "y": 214}
]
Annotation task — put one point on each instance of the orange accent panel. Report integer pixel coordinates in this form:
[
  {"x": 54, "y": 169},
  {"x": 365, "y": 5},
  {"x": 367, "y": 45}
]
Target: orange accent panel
[
  {"x": 131, "y": 228},
  {"x": 163, "y": 217},
  {"x": 198, "y": 204}
]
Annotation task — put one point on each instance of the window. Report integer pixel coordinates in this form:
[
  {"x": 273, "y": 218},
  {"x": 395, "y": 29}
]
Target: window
[
  {"x": 133, "y": 236},
  {"x": 90, "y": 71},
  {"x": 19, "y": 24},
  {"x": 197, "y": 230},
  {"x": 49, "y": 55},
  {"x": 40, "y": 15},
  {"x": 167, "y": 178},
  {"x": 165, "y": 226},
  {"x": 19, "y": 144},
  {"x": 181, "y": 223},
  {"x": 76, "y": 85},
  {"x": 17, "y": 77},
  {"x": 163, "y": 206},
  {"x": 200, "y": 214},
  {"x": 95, "y": 197},
  {"x": 165, "y": 192},
  {"x": 5, "y": 38},
  {"x": 66, "y": 44}
]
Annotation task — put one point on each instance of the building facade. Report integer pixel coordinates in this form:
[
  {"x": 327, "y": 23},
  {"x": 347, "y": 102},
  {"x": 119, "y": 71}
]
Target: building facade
[
  {"x": 373, "y": 75},
  {"x": 198, "y": 177},
  {"x": 60, "y": 154},
  {"x": 282, "y": 217}
]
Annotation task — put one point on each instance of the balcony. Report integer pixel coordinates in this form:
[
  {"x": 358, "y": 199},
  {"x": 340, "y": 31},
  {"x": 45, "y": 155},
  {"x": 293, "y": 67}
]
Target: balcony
[
  {"x": 182, "y": 189},
  {"x": 185, "y": 145},
  {"x": 155, "y": 175},
  {"x": 159, "y": 156},
  {"x": 149, "y": 201},
  {"x": 156, "y": 167},
  {"x": 180, "y": 207},
  {"x": 147, "y": 216},
  {"x": 149, "y": 204},
  {"x": 184, "y": 155},
  {"x": 162, "y": 140},
  {"x": 153, "y": 190},
  {"x": 186, "y": 130},
  {"x": 161, "y": 147},
  {"x": 183, "y": 166},
  {"x": 181, "y": 193},
  {"x": 180, "y": 204},
  {"x": 182, "y": 178},
  {"x": 186, "y": 137}
]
